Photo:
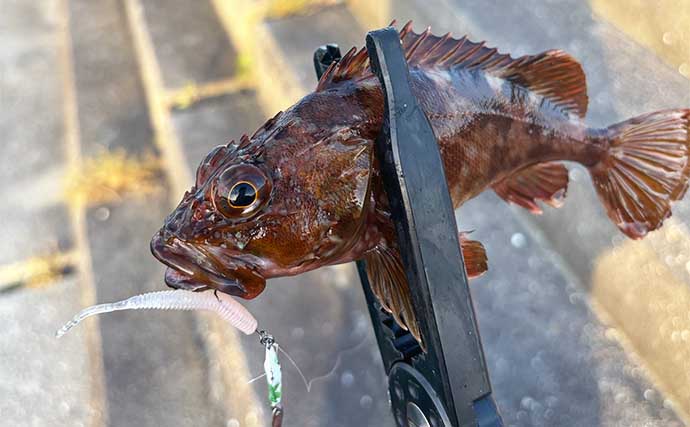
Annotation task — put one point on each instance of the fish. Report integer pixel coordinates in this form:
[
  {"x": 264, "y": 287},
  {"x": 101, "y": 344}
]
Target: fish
[{"x": 305, "y": 190}]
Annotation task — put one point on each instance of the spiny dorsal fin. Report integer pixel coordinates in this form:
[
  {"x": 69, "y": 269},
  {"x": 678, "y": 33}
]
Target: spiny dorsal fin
[
  {"x": 353, "y": 66},
  {"x": 244, "y": 142},
  {"x": 553, "y": 74}
]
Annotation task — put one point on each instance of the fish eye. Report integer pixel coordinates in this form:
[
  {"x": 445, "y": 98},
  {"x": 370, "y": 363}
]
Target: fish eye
[
  {"x": 241, "y": 191},
  {"x": 242, "y": 195}
]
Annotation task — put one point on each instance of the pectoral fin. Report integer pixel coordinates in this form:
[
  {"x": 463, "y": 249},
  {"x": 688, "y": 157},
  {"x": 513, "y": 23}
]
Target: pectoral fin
[
  {"x": 547, "y": 182},
  {"x": 389, "y": 282}
]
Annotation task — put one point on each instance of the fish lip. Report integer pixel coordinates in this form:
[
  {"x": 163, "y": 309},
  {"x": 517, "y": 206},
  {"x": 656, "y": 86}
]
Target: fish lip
[{"x": 184, "y": 273}]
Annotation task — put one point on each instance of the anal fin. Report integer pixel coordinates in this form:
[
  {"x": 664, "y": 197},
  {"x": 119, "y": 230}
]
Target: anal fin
[{"x": 547, "y": 182}]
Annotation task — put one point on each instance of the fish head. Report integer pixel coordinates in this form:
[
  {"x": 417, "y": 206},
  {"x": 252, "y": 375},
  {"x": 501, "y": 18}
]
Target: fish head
[{"x": 290, "y": 199}]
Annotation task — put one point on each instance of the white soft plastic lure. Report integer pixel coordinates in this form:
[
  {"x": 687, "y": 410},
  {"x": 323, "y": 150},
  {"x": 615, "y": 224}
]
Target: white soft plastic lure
[{"x": 224, "y": 305}]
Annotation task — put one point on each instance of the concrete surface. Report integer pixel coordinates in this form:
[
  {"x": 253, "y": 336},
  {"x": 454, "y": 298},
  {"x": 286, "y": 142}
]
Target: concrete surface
[
  {"x": 44, "y": 381},
  {"x": 156, "y": 370},
  {"x": 215, "y": 121},
  {"x": 112, "y": 106},
  {"x": 32, "y": 155},
  {"x": 154, "y": 364},
  {"x": 314, "y": 30},
  {"x": 190, "y": 43},
  {"x": 551, "y": 361}
]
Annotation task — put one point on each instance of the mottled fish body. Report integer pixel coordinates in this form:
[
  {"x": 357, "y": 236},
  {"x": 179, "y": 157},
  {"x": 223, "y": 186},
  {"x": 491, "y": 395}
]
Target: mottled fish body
[{"x": 305, "y": 191}]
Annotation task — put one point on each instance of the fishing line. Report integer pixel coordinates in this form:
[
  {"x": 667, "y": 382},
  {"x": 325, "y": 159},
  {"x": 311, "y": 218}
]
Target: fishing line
[
  {"x": 256, "y": 378},
  {"x": 307, "y": 385},
  {"x": 338, "y": 360}
]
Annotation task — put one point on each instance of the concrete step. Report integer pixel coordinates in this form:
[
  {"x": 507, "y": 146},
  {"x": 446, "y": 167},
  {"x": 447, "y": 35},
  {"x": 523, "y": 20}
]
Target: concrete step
[
  {"x": 191, "y": 45},
  {"x": 213, "y": 122},
  {"x": 298, "y": 35},
  {"x": 46, "y": 381},
  {"x": 155, "y": 364},
  {"x": 43, "y": 381},
  {"x": 34, "y": 219},
  {"x": 205, "y": 112}
]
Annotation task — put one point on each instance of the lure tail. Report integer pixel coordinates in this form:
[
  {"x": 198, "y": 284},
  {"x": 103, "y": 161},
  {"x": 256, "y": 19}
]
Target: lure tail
[{"x": 644, "y": 169}]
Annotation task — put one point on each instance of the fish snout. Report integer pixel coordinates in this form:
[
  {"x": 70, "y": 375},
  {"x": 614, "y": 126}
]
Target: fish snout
[{"x": 196, "y": 269}]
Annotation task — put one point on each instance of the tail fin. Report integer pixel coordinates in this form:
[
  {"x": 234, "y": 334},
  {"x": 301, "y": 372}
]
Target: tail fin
[{"x": 645, "y": 168}]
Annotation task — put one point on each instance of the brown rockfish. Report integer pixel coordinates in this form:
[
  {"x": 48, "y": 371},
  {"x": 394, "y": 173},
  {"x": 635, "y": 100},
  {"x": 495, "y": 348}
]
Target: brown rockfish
[{"x": 304, "y": 191}]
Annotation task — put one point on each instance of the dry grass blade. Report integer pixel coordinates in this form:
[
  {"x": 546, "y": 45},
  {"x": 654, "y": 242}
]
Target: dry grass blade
[{"x": 110, "y": 177}]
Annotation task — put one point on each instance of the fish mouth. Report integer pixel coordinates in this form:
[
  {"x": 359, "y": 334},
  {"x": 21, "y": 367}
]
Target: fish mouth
[{"x": 190, "y": 267}]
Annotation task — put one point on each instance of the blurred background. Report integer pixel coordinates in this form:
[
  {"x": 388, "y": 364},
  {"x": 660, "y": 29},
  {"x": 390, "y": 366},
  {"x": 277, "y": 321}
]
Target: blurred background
[{"x": 107, "y": 106}]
